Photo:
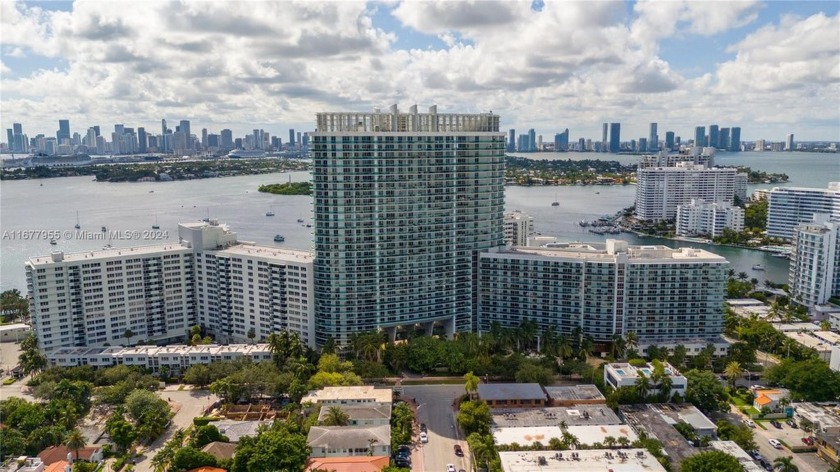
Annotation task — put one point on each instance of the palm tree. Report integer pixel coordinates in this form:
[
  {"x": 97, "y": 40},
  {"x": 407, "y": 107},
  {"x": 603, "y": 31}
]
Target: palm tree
[
  {"x": 731, "y": 273},
  {"x": 128, "y": 334},
  {"x": 609, "y": 441},
  {"x": 619, "y": 346},
  {"x": 74, "y": 441},
  {"x": 825, "y": 325},
  {"x": 743, "y": 275},
  {"x": 623, "y": 441},
  {"x": 549, "y": 342},
  {"x": 733, "y": 372},
  {"x": 631, "y": 340},
  {"x": 471, "y": 383},
  {"x": 527, "y": 332},
  {"x": 785, "y": 464},
  {"x": 642, "y": 385},
  {"x": 585, "y": 349},
  {"x": 336, "y": 417},
  {"x": 564, "y": 347}
]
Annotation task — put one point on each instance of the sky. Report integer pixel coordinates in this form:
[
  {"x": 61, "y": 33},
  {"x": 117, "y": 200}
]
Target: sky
[{"x": 772, "y": 68}]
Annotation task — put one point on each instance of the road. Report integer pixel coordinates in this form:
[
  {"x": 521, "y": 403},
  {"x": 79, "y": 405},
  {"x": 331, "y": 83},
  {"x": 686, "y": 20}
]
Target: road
[
  {"x": 434, "y": 407},
  {"x": 188, "y": 404}
]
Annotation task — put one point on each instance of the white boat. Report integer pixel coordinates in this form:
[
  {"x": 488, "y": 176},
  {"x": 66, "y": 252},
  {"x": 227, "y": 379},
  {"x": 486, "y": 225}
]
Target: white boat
[
  {"x": 278, "y": 238},
  {"x": 758, "y": 267},
  {"x": 269, "y": 213}
]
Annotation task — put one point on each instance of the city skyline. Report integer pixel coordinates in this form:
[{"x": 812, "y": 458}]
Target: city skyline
[{"x": 573, "y": 65}]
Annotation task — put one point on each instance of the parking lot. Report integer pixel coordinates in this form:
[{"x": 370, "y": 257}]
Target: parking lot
[
  {"x": 435, "y": 409},
  {"x": 808, "y": 462}
]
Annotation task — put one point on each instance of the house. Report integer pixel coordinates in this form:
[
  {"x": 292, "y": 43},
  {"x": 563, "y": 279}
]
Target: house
[
  {"x": 771, "y": 398},
  {"x": 586, "y": 435},
  {"x": 24, "y": 464},
  {"x": 828, "y": 447},
  {"x": 207, "y": 468},
  {"x": 622, "y": 374},
  {"x": 348, "y": 464},
  {"x": 220, "y": 450},
  {"x": 823, "y": 417},
  {"x": 237, "y": 429},
  {"x": 345, "y": 441},
  {"x": 585, "y": 460},
  {"x": 510, "y": 395},
  {"x": 54, "y": 454},
  {"x": 349, "y": 395},
  {"x": 569, "y": 395},
  {"x": 363, "y": 414},
  {"x": 734, "y": 450}
]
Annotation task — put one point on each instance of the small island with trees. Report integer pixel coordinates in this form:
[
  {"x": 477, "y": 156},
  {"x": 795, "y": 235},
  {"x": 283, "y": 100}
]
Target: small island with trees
[{"x": 290, "y": 188}]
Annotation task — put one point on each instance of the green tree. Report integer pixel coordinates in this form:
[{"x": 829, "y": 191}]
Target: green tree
[
  {"x": 188, "y": 458},
  {"x": 733, "y": 372},
  {"x": 705, "y": 391},
  {"x": 785, "y": 464},
  {"x": 198, "y": 374},
  {"x": 252, "y": 333},
  {"x": 740, "y": 434},
  {"x": 120, "y": 431},
  {"x": 75, "y": 441},
  {"x": 13, "y": 306},
  {"x": 711, "y": 461},
  {"x": 276, "y": 449},
  {"x": 31, "y": 359},
  {"x": 335, "y": 416},
  {"x": 128, "y": 334},
  {"x": 533, "y": 373},
  {"x": 204, "y": 435},
  {"x": 474, "y": 417},
  {"x": 471, "y": 382}
]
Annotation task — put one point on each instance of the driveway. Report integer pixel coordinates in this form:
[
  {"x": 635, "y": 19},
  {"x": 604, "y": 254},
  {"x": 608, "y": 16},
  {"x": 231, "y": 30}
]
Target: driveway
[
  {"x": 187, "y": 404},
  {"x": 434, "y": 407}
]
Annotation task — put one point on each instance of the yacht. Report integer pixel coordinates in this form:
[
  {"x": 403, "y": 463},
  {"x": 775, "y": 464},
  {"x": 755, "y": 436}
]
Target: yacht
[
  {"x": 269, "y": 213},
  {"x": 279, "y": 238},
  {"x": 758, "y": 267}
]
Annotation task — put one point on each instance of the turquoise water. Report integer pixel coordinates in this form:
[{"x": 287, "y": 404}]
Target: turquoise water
[{"x": 29, "y": 205}]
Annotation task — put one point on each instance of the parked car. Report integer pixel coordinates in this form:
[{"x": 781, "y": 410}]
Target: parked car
[
  {"x": 749, "y": 423},
  {"x": 450, "y": 468},
  {"x": 404, "y": 463},
  {"x": 765, "y": 465},
  {"x": 458, "y": 451},
  {"x": 756, "y": 455},
  {"x": 808, "y": 440},
  {"x": 405, "y": 448},
  {"x": 424, "y": 438},
  {"x": 775, "y": 443},
  {"x": 776, "y": 424},
  {"x": 423, "y": 428},
  {"x": 791, "y": 423}
]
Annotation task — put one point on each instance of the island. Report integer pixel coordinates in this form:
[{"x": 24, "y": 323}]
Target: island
[
  {"x": 290, "y": 188},
  {"x": 530, "y": 172}
]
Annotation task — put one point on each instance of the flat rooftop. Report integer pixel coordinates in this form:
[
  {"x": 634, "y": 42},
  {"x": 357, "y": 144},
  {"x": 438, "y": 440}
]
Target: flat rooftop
[
  {"x": 362, "y": 412},
  {"x": 734, "y": 450},
  {"x": 585, "y": 434},
  {"x": 268, "y": 252},
  {"x": 625, "y": 370},
  {"x": 572, "y": 393},
  {"x": 590, "y": 460},
  {"x": 578, "y": 415},
  {"x": 511, "y": 391},
  {"x": 633, "y": 253},
  {"x": 363, "y": 392},
  {"x": 107, "y": 253},
  {"x": 808, "y": 340},
  {"x": 652, "y": 420},
  {"x": 174, "y": 349}
]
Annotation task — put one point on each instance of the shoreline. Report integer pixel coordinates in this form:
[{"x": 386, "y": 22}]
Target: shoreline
[{"x": 707, "y": 242}]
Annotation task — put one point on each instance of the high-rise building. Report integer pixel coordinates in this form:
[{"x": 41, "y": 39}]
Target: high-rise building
[
  {"x": 63, "y": 131},
  {"x": 669, "y": 140},
  {"x": 653, "y": 139},
  {"x": 643, "y": 145},
  {"x": 700, "y": 218},
  {"x": 204, "y": 138},
  {"x": 522, "y": 144},
  {"x": 790, "y": 206},
  {"x": 714, "y": 136},
  {"x": 142, "y": 140},
  {"x": 735, "y": 139},
  {"x": 10, "y": 139},
  {"x": 184, "y": 126},
  {"x": 561, "y": 141},
  {"x": 789, "y": 143},
  {"x": 700, "y": 136},
  {"x": 814, "y": 274},
  {"x": 163, "y": 129},
  {"x": 604, "y": 140},
  {"x": 518, "y": 227},
  {"x": 403, "y": 204},
  {"x": 511, "y": 144},
  {"x": 660, "y": 190},
  {"x": 615, "y": 137},
  {"x": 723, "y": 141},
  {"x": 258, "y": 139},
  {"x": 227, "y": 139},
  {"x": 532, "y": 140},
  {"x": 663, "y": 295},
  {"x": 291, "y": 139}
]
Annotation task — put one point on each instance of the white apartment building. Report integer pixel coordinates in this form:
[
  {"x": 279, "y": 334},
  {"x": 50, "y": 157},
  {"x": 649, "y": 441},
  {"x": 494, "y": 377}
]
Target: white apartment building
[
  {"x": 158, "y": 292},
  {"x": 814, "y": 274},
  {"x": 622, "y": 374},
  {"x": 790, "y": 206},
  {"x": 518, "y": 228},
  {"x": 664, "y": 295},
  {"x": 176, "y": 358},
  {"x": 700, "y": 218},
  {"x": 660, "y": 190}
]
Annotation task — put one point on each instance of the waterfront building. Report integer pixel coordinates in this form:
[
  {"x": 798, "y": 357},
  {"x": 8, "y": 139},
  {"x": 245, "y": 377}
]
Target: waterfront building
[
  {"x": 511, "y": 143},
  {"x": 723, "y": 140},
  {"x": 814, "y": 275},
  {"x": 622, "y": 374},
  {"x": 158, "y": 292},
  {"x": 700, "y": 218},
  {"x": 714, "y": 136},
  {"x": 760, "y": 145},
  {"x": 735, "y": 139},
  {"x": 669, "y": 140},
  {"x": 523, "y": 145},
  {"x": 142, "y": 140},
  {"x": 518, "y": 227},
  {"x": 403, "y": 203},
  {"x": 561, "y": 141},
  {"x": 741, "y": 182},
  {"x": 653, "y": 139},
  {"x": 227, "y": 139},
  {"x": 666, "y": 296},
  {"x": 700, "y": 136},
  {"x": 790, "y": 206},
  {"x": 63, "y": 131},
  {"x": 660, "y": 190},
  {"x": 789, "y": 143},
  {"x": 615, "y": 137},
  {"x": 604, "y": 141},
  {"x": 532, "y": 140}
]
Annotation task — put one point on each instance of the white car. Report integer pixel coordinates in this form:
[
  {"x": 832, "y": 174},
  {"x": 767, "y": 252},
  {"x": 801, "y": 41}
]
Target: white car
[
  {"x": 424, "y": 438},
  {"x": 749, "y": 423},
  {"x": 450, "y": 468},
  {"x": 775, "y": 443}
]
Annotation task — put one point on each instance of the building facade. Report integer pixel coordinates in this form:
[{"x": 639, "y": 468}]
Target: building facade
[
  {"x": 790, "y": 206},
  {"x": 664, "y": 295},
  {"x": 622, "y": 374},
  {"x": 660, "y": 190},
  {"x": 814, "y": 275},
  {"x": 403, "y": 202},
  {"x": 699, "y": 218},
  {"x": 518, "y": 228}
]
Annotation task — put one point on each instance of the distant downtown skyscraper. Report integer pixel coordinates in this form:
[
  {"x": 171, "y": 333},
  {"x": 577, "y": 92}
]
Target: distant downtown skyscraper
[
  {"x": 403, "y": 204},
  {"x": 561, "y": 141},
  {"x": 615, "y": 137},
  {"x": 291, "y": 139},
  {"x": 653, "y": 139},
  {"x": 714, "y": 136},
  {"x": 669, "y": 140},
  {"x": 604, "y": 140},
  {"x": 532, "y": 140},
  {"x": 723, "y": 141},
  {"x": 63, "y": 131},
  {"x": 735, "y": 139},
  {"x": 511, "y": 144},
  {"x": 700, "y": 136}
]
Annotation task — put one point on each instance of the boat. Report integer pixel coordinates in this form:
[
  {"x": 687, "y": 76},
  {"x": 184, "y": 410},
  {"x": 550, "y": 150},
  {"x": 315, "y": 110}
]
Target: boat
[
  {"x": 151, "y": 191},
  {"x": 555, "y": 204},
  {"x": 278, "y": 238},
  {"x": 269, "y": 213},
  {"x": 300, "y": 220},
  {"x": 584, "y": 223},
  {"x": 308, "y": 226},
  {"x": 104, "y": 229},
  {"x": 781, "y": 255},
  {"x": 53, "y": 242},
  {"x": 156, "y": 225},
  {"x": 597, "y": 193},
  {"x": 78, "y": 226},
  {"x": 758, "y": 267}
]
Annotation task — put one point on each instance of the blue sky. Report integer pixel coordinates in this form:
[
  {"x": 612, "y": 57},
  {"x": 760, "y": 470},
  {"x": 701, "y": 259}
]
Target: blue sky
[{"x": 770, "y": 67}]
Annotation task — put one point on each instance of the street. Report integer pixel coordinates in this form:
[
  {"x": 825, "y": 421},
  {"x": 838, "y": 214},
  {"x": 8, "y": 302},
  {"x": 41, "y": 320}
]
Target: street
[{"x": 434, "y": 407}]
